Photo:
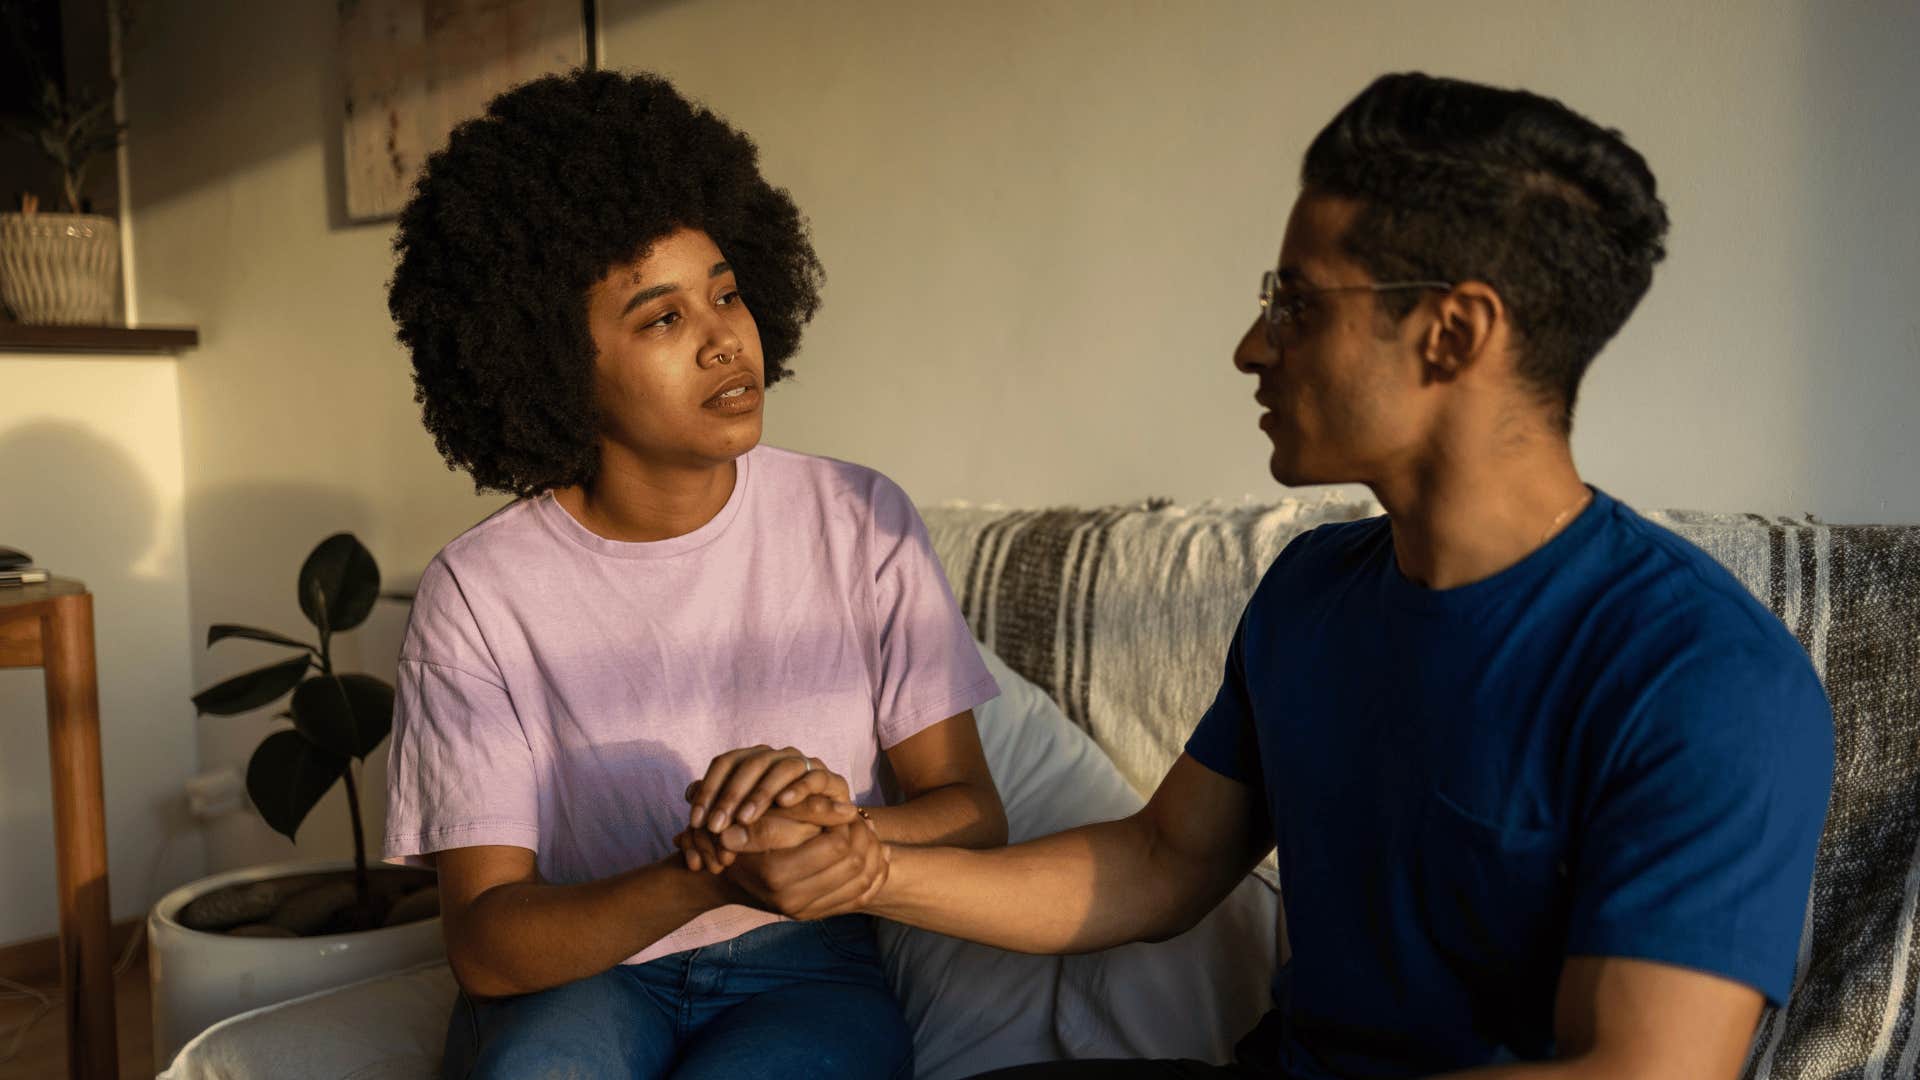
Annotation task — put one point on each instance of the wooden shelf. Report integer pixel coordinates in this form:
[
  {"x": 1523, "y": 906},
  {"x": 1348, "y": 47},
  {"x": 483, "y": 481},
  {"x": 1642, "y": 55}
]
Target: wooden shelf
[{"x": 20, "y": 337}]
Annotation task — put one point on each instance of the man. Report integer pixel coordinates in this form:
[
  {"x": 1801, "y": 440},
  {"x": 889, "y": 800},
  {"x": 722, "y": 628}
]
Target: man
[{"x": 1545, "y": 783}]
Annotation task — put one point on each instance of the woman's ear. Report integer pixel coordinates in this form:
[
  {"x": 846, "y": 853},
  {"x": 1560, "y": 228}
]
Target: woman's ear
[{"x": 1469, "y": 318}]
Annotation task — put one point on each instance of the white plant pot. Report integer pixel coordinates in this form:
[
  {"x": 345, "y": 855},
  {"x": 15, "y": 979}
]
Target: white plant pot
[
  {"x": 59, "y": 268},
  {"x": 200, "y": 978}
]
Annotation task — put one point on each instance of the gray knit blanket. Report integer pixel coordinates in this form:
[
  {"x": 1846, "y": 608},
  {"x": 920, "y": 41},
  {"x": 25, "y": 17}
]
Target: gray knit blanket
[{"x": 1123, "y": 615}]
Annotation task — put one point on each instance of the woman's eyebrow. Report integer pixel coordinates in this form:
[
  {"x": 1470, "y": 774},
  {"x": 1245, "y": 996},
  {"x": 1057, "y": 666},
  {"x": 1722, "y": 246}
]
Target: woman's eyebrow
[{"x": 645, "y": 295}]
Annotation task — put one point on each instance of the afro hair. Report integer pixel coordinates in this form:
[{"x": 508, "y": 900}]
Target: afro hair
[{"x": 530, "y": 205}]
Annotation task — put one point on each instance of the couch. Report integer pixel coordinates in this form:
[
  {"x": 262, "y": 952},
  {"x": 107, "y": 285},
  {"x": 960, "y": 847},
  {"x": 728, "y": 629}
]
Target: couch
[{"x": 1106, "y": 628}]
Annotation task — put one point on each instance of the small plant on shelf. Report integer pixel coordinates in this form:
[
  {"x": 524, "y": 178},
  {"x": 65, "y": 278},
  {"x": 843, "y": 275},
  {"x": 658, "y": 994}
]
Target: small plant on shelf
[{"x": 71, "y": 127}]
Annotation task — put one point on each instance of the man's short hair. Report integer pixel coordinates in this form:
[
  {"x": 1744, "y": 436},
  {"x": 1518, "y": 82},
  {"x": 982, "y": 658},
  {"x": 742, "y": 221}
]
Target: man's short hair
[{"x": 1463, "y": 182}]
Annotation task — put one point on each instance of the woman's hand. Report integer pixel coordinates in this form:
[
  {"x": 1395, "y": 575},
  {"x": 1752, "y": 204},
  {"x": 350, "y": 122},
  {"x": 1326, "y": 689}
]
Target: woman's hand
[
  {"x": 703, "y": 851},
  {"x": 740, "y": 785}
]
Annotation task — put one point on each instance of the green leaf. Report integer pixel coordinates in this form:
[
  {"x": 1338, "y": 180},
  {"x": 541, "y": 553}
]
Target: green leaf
[
  {"x": 339, "y": 584},
  {"x": 287, "y": 776},
  {"x": 252, "y": 690},
  {"x": 346, "y": 714},
  {"x": 223, "y": 631},
  {"x": 372, "y": 708}
]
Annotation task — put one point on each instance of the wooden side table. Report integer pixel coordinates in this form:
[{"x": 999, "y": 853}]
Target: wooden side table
[{"x": 50, "y": 626}]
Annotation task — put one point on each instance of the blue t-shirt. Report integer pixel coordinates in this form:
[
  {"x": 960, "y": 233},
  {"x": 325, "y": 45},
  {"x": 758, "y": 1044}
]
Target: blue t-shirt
[{"x": 1607, "y": 749}]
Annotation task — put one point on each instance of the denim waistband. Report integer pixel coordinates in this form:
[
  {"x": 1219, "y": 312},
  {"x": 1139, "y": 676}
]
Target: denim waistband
[{"x": 833, "y": 942}]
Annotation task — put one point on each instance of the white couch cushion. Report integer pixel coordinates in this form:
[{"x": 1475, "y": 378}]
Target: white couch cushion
[
  {"x": 971, "y": 1007},
  {"x": 390, "y": 1027},
  {"x": 975, "y": 1008}
]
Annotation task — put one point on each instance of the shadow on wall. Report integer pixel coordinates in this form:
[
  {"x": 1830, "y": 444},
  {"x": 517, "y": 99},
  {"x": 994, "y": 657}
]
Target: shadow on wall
[
  {"x": 1859, "y": 260},
  {"x": 249, "y": 541},
  {"x": 235, "y": 86},
  {"x": 83, "y": 509},
  {"x": 260, "y": 81},
  {"x": 224, "y": 86}
]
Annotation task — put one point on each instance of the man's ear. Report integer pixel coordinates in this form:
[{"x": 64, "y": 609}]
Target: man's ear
[{"x": 1468, "y": 320}]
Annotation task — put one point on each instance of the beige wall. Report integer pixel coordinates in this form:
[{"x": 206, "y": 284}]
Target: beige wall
[
  {"x": 1042, "y": 224},
  {"x": 92, "y": 488}
]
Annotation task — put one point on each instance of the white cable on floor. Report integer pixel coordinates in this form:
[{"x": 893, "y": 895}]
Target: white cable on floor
[
  {"x": 48, "y": 1000},
  {"x": 19, "y": 1034}
]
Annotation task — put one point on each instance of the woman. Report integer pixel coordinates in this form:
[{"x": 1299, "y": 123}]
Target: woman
[{"x": 596, "y": 286}]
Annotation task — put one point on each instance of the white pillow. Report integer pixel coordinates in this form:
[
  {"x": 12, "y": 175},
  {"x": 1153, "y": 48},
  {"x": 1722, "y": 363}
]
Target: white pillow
[
  {"x": 1052, "y": 776},
  {"x": 973, "y": 1008},
  {"x": 389, "y": 1027},
  {"x": 1192, "y": 996}
]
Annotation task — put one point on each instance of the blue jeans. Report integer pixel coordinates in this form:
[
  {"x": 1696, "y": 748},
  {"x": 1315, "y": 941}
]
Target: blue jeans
[{"x": 787, "y": 1001}]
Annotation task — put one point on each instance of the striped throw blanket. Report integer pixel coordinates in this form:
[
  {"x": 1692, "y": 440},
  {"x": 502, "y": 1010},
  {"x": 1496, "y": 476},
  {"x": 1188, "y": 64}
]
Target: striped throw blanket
[{"x": 1123, "y": 614}]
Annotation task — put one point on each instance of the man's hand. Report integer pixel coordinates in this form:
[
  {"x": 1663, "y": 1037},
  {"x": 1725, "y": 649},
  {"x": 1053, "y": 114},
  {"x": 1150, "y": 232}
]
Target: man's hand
[
  {"x": 836, "y": 872},
  {"x": 778, "y": 829},
  {"x": 740, "y": 785}
]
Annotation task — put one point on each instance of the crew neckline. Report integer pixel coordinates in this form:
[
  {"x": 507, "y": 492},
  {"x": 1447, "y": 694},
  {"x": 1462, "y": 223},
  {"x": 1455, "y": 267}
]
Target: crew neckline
[
  {"x": 1539, "y": 562},
  {"x": 569, "y": 528}
]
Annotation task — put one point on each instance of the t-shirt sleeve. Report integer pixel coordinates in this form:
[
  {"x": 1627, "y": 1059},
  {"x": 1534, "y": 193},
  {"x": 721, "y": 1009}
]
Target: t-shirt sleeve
[
  {"x": 1224, "y": 740},
  {"x": 929, "y": 667},
  {"x": 459, "y": 772},
  {"x": 1698, "y": 845}
]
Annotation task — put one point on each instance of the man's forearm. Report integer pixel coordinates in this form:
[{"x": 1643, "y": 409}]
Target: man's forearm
[
  {"x": 960, "y": 815},
  {"x": 1086, "y": 889},
  {"x": 525, "y": 936}
]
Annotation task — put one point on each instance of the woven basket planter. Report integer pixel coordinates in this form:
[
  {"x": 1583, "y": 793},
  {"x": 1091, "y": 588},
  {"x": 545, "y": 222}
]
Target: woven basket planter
[{"x": 59, "y": 268}]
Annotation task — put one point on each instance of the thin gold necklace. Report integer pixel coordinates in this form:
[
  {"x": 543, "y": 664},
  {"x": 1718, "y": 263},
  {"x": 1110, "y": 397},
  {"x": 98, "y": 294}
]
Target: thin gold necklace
[{"x": 1585, "y": 497}]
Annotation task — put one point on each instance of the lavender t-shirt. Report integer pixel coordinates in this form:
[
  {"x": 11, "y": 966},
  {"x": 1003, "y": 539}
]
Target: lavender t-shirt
[{"x": 558, "y": 690}]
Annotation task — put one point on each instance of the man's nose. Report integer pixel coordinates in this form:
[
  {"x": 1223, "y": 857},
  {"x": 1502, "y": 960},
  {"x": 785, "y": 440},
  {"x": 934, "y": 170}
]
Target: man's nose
[{"x": 1255, "y": 350}]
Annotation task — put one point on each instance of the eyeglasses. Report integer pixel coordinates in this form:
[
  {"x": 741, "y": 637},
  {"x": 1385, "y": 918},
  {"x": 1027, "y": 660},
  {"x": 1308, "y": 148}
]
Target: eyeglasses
[{"x": 1282, "y": 308}]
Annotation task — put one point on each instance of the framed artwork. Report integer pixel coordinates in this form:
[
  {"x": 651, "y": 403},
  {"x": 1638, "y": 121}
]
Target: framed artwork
[{"x": 416, "y": 68}]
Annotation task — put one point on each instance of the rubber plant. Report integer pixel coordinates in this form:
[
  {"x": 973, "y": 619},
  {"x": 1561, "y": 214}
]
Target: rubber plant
[{"x": 338, "y": 718}]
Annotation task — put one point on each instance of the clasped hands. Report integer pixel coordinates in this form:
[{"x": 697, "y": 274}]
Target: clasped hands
[{"x": 782, "y": 828}]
